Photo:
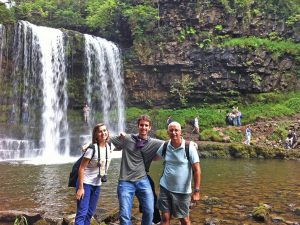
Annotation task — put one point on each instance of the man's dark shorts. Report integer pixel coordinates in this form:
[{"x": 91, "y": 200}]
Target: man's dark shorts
[{"x": 176, "y": 204}]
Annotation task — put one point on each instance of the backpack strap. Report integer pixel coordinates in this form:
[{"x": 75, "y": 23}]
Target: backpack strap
[
  {"x": 187, "y": 150},
  {"x": 164, "y": 150},
  {"x": 92, "y": 147},
  {"x": 186, "y": 147}
]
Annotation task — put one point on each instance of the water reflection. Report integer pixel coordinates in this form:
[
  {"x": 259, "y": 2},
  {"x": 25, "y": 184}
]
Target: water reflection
[
  {"x": 44, "y": 188},
  {"x": 240, "y": 184}
]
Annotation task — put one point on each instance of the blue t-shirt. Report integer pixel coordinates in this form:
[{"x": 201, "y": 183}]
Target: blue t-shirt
[{"x": 177, "y": 175}]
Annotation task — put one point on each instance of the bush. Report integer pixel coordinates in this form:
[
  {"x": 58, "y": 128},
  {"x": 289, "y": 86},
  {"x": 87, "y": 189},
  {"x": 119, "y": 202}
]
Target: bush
[
  {"x": 293, "y": 104},
  {"x": 162, "y": 134},
  {"x": 210, "y": 135},
  {"x": 239, "y": 151}
]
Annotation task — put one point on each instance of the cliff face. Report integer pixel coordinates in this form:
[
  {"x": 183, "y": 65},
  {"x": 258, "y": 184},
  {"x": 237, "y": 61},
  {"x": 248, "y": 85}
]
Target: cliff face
[
  {"x": 189, "y": 41},
  {"x": 189, "y": 36}
]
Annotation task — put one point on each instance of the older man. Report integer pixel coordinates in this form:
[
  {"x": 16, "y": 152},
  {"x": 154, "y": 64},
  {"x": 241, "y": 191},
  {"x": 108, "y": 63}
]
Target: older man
[{"x": 175, "y": 184}]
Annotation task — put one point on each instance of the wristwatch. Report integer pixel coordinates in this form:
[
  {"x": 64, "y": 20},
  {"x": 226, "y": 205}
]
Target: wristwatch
[{"x": 196, "y": 190}]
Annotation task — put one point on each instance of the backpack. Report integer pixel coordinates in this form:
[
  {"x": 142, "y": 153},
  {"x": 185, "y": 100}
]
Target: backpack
[
  {"x": 187, "y": 149},
  {"x": 74, "y": 172}
]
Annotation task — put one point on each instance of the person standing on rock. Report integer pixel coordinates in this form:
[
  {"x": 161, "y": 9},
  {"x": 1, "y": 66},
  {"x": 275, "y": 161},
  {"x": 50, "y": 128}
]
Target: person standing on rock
[
  {"x": 175, "y": 184},
  {"x": 89, "y": 177},
  {"x": 86, "y": 113}
]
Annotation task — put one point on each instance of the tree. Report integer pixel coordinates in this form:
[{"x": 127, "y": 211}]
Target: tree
[{"x": 181, "y": 88}]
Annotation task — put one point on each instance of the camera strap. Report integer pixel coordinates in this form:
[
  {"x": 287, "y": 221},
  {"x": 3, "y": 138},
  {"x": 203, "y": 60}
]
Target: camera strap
[
  {"x": 106, "y": 158},
  {"x": 99, "y": 165}
]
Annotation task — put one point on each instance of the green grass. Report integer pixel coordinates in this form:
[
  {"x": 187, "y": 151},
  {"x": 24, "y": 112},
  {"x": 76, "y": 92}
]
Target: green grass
[
  {"x": 280, "y": 47},
  {"x": 262, "y": 106}
]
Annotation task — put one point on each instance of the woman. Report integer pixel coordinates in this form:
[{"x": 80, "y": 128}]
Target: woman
[{"x": 91, "y": 170}]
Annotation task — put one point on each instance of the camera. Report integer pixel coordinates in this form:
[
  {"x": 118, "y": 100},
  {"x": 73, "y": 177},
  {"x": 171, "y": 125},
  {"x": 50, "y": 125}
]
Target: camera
[{"x": 104, "y": 178}]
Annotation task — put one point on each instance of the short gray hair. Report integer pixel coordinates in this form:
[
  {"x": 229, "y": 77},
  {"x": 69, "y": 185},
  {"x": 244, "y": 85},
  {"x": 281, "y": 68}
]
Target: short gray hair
[{"x": 174, "y": 123}]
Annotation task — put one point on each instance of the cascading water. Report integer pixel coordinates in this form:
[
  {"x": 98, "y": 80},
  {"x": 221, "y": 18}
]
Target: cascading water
[
  {"x": 2, "y": 42},
  {"x": 42, "y": 63},
  {"x": 40, "y": 80},
  {"x": 105, "y": 78}
]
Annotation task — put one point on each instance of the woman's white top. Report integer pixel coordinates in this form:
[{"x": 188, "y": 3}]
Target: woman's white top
[{"x": 91, "y": 172}]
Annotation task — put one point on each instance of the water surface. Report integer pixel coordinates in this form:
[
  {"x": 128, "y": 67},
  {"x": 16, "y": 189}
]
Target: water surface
[{"x": 239, "y": 184}]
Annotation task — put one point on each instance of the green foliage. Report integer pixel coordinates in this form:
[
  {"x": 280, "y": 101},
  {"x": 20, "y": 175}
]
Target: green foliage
[
  {"x": 240, "y": 151},
  {"x": 182, "y": 88},
  {"x": 42, "y": 8},
  {"x": 205, "y": 43},
  {"x": 20, "y": 220},
  {"x": 219, "y": 27},
  {"x": 260, "y": 212},
  {"x": 293, "y": 19},
  {"x": 256, "y": 79},
  {"x": 65, "y": 13},
  {"x": 68, "y": 16},
  {"x": 282, "y": 8},
  {"x": 280, "y": 47},
  {"x": 235, "y": 135},
  {"x": 142, "y": 18},
  {"x": 266, "y": 105},
  {"x": 101, "y": 13},
  {"x": 133, "y": 113},
  {"x": 6, "y": 15},
  {"x": 162, "y": 134},
  {"x": 185, "y": 33},
  {"x": 293, "y": 104},
  {"x": 210, "y": 135},
  {"x": 279, "y": 133}
]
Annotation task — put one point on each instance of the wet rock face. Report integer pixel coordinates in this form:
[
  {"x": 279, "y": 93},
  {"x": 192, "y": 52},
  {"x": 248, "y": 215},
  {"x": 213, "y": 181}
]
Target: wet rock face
[{"x": 217, "y": 72}]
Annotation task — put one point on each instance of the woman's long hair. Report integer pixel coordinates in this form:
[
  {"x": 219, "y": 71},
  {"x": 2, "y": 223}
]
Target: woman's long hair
[{"x": 95, "y": 133}]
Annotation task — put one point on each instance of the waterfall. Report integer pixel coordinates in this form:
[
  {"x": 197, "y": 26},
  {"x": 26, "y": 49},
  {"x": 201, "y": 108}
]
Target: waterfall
[
  {"x": 2, "y": 42},
  {"x": 55, "y": 135},
  {"x": 40, "y": 89},
  {"x": 104, "y": 77},
  {"x": 40, "y": 97}
]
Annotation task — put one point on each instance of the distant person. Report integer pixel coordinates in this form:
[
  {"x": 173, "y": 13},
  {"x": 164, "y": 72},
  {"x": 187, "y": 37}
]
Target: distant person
[
  {"x": 229, "y": 119},
  {"x": 196, "y": 125},
  {"x": 296, "y": 141},
  {"x": 235, "y": 112},
  {"x": 90, "y": 174},
  {"x": 169, "y": 120},
  {"x": 238, "y": 118},
  {"x": 176, "y": 193},
  {"x": 291, "y": 139},
  {"x": 86, "y": 113},
  {"x": 25, "y": 113},
  {"x": 248, "y": 135}
]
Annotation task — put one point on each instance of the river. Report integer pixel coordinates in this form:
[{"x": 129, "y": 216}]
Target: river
[{"x": 240, "y": 185}]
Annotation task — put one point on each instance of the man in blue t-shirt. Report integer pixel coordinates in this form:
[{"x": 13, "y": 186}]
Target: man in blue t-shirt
[{"x": 175, "y": 183}]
